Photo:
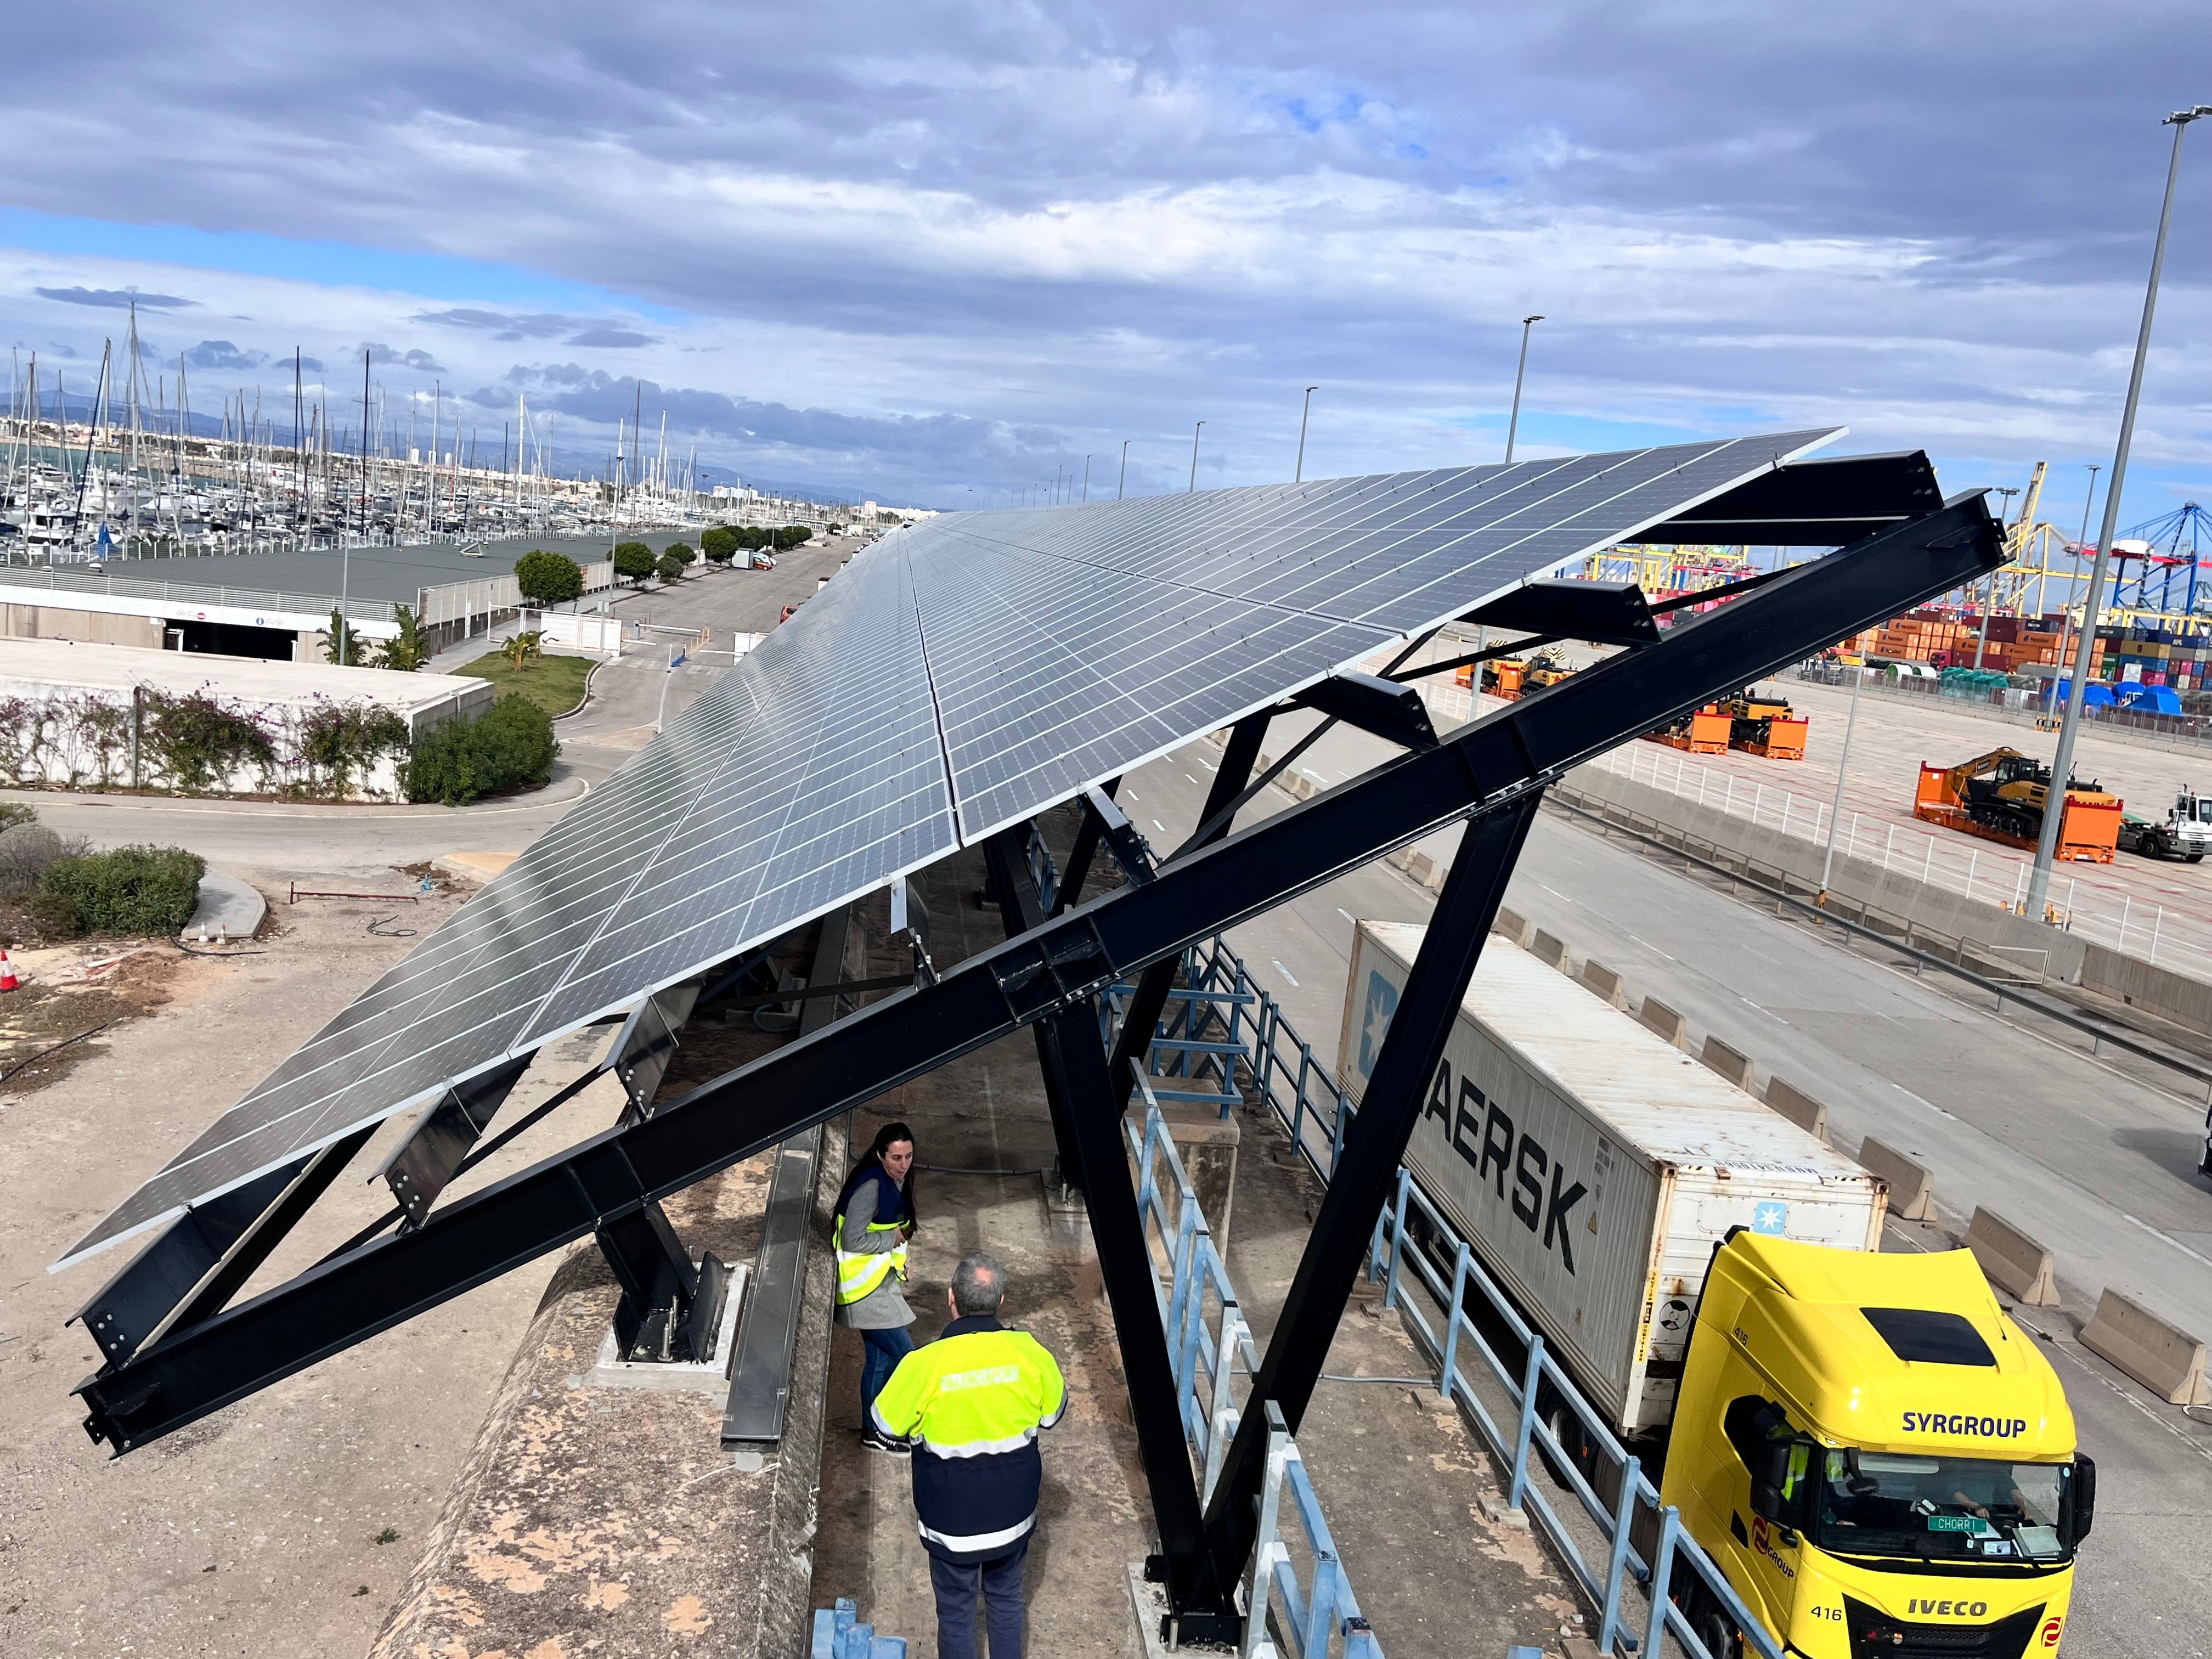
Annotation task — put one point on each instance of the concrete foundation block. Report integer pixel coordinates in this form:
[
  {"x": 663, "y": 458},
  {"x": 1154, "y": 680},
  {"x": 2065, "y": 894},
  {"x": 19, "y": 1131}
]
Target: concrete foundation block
[
  {"x": 1207, "y": 1143},
  {"x": 1717, "y": 1056},
  {"x": 1665, "y": 1021},
  {"x": 2161, "y": 1357},
  {"x": 1911, "y": 1187},
  {"x": 1799, "y": 1107},
  {"x": 1603, "y": 982},
  {"x": 2015, "y": 1263}
]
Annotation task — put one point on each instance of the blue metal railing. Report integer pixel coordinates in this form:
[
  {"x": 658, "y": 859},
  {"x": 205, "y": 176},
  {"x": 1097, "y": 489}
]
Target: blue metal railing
[
  {"x": 1282, "y": 1074},
  {"x": 1210, "y": 1346}
]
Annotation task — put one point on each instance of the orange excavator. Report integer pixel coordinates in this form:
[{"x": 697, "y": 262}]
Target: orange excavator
[{"x": 2003, "y": 796}]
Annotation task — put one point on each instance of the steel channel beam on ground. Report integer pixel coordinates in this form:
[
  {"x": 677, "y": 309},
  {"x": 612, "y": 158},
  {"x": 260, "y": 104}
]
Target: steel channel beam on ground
[{"x": 1485, "y": 766}]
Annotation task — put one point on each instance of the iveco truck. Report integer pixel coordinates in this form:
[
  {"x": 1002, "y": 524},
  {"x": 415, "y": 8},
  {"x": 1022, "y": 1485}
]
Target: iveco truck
[{"x": 1874, "y": 1455}]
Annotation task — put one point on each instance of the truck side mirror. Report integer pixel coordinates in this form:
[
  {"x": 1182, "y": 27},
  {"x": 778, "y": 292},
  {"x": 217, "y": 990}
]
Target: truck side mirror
[
  {"x": 1768, "y": 1477},
  {"x": 2085, "y": 1498}
]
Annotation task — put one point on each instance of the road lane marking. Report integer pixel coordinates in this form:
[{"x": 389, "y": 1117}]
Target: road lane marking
[
  {"x": 2176, "y": 1242},
  {"x": 1346, "y": 914},
  {"x": 1158, "y": 825},
  {"x": 1192, "y": 780},
  {"x": 1285, "y": 972}
]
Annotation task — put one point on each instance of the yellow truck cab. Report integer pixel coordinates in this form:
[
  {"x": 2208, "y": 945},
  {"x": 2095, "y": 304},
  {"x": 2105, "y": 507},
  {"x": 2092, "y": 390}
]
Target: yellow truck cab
[{"x": 1878, "y": 1459}]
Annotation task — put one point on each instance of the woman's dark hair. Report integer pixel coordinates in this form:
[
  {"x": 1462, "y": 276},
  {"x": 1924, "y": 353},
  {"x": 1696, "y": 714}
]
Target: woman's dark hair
[{"x": 886, "y": 1137}]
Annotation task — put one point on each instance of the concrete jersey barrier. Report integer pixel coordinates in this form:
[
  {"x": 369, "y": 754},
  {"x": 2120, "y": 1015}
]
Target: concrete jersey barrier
[
  {"x": 1799, "y": 1107},
  {"x": 1717, "y": 1056},
  {"x": 2161, "y": 1357},
  {"x": 2015, "y": 1263},
  {"x": 1911, "y": 1187},
  {"x": 1603, "y": 982},
  {"x": 1665, "y": 1021}
]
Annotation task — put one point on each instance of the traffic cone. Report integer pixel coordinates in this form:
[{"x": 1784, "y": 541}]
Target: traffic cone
[{"x": 8, "y": 980}]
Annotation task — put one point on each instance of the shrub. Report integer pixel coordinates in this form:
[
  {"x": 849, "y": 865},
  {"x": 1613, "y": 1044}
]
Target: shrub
[
  {"x": 13, "y": 813},
  {"x": 341, "y": 645},
  {"x": 26, "y": 850},
  {"x": 548, "y": 578},
  {"x": 406, "y": 652},
  {"x": 53, "y": 915},
  {"x": 670, "y": 568},
  {"x": 791, "y": 536},
  {"x": 680, "y": 550},
  {"x": 199, "y": 742},
  {"x": 632, "y": 561},
  {"x": 719, "y": 543},
  {"x": 130, "y": 889},
  {"x": 342, "y": 741},
  {"x": 511, "y": 747}
]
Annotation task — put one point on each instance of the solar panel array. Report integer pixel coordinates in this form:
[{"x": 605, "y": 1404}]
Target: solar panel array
[{"x": 1037, "y": 652}]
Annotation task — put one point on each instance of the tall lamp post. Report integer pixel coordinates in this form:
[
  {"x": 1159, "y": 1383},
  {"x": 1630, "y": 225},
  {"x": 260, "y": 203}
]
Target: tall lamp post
[
  {"x": 1124, "y": 484},
  {"x": 1306, "y": 414},
  {"x": 1194, "y": 458},
  {"x": 2066, "y": 616},
  {"x": 2062, "y": 764},
  {"x": 1513, "y": 426}
]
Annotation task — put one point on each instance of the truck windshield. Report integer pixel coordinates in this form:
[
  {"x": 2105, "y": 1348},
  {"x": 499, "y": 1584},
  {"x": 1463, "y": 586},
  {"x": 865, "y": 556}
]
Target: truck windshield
[{"x": 1947, "y": 1509}]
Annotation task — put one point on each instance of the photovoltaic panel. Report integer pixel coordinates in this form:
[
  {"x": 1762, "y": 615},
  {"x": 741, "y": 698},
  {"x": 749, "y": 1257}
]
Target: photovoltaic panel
[{"x": 961, "y": 675}]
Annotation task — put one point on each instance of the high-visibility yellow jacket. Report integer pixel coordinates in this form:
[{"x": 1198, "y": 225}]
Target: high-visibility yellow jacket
[
  {"x": 972, "y": 1402},
  {"x": 859, "y": 1272}
]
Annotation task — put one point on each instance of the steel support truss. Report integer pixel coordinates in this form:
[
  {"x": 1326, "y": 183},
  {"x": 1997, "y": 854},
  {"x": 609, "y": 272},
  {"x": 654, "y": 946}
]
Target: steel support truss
[{"x": 1488, "y": 773}]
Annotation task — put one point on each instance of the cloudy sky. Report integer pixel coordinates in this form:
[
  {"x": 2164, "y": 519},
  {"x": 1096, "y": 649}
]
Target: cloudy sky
[{"x": 936, "y": 252}]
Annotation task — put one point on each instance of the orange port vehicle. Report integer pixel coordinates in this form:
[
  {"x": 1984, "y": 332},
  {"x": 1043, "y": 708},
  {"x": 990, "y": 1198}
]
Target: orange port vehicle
[
  {"x": 1704, "y": 732},
  {"x": 1502, "y": 676},
  {"x": 1763, "y": 725},
  {"x": 2001, "y": 796}
]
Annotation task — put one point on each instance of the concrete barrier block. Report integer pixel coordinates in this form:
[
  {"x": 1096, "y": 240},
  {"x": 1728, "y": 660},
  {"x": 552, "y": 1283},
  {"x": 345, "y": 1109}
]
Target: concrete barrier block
[
  {"x": 1603, "y": 981},
  {"x": 1513, "y": 925},
  {"x": 1911, "y": 1187},
  {"x": 1422, "y": 868},
  {"x": 2015, "y": 1263},
  {"x": 1717, "y": 1056},
  {"x": 1665, "y": 1021},
  {"x": 1549, "y": 949},
  {"x": 2165, "y": 1360},
  {"x": 1799, "y": 1107}
]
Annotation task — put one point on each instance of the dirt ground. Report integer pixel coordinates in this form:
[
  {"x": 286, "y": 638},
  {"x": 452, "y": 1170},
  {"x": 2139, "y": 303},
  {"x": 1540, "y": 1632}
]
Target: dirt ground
[{"x": 293, "y": 1535}]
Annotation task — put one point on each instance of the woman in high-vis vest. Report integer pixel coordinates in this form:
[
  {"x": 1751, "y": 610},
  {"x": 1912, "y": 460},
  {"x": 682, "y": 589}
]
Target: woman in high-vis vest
[{"x": 875, "y": 1219}]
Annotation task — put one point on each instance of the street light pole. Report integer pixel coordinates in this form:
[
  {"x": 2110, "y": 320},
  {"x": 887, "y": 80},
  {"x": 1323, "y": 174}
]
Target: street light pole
[
  {"x": 1306, "y": 414},
  {"x": 1513, "y": 426},
  {"x": 1836, "y": 810},
  {"x": 1086, "y": 477},
  {"x": 1193, "y": 459},
  {"x": 2062, "y": 764},
  {"x": 1124, "y": 484}
]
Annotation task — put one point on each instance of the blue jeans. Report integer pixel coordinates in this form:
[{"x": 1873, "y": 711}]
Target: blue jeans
[
  {"x": 956, "y": 1584},
  {"x": 879, "y": 1360}
]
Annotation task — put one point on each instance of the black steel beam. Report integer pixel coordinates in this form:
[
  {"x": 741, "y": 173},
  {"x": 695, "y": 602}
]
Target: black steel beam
[
  {"x": 1390, "y": 711},
  {"x": 1086, "y": 1114},
  {"x": 1484, "y": 767},
  {"x": 1366, "y": 1169},
  {"x": 422, "y": 1166},
  {"x": 1607, "y": 613},
  {"x": 1085, "y": 849},
  {"x": 1831, "y": 503}
]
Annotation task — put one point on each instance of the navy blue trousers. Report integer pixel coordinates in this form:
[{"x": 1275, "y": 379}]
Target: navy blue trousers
[{"x": 999, "y": 1581}]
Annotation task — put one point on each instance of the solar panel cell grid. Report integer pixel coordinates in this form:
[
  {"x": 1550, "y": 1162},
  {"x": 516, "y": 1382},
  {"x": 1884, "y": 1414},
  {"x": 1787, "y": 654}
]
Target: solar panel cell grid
[{"x": 1040, "y": 652}]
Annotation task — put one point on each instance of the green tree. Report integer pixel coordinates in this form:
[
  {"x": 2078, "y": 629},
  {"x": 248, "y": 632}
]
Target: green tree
[
  {"x": 547, "y": 579},
  {"x": 792, "y": 535},
  {"x": 407, "y": 651},
  {"x": 670, "y": 568},
  {"x": 632, "y": 561},
  {"x": 719, "y": 543},
  {"x": 522, "y": 647},
  {"x": 344, "y": 646},
  {"x": 680, "y": 550}
]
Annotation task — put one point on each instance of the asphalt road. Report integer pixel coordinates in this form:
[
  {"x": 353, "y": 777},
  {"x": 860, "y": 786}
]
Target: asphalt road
[{"x": 2098, "y": 1164}]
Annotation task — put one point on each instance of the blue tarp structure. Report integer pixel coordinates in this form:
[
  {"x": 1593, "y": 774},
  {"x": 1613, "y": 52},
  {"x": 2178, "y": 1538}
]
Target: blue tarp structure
[{"x": 2151, "y": 699}]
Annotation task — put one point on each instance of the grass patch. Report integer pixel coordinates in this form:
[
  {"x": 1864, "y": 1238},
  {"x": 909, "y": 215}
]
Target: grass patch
[{"x": 554, "y": 683}]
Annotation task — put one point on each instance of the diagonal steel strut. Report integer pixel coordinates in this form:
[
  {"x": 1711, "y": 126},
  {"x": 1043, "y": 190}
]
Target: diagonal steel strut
[{"x": 1482, "y": 767}]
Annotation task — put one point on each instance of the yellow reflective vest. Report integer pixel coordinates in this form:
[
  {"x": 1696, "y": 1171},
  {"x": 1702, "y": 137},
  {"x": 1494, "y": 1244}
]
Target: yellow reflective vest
[
  {"x": 973, "y": 1403},
  {"x": 859, "y": 1272}
]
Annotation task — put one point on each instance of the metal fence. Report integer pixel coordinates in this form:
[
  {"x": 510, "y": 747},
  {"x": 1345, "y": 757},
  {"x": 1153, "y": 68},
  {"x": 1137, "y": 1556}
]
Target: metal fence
[
  {"x": 1626, "y": 1550},
  {"x": 256, "y": 599},
  {"x": 1298, "y": 1588}
]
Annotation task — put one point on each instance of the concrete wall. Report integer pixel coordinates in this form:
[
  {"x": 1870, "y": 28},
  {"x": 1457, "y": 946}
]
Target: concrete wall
[{"x": 45, "y": 621}]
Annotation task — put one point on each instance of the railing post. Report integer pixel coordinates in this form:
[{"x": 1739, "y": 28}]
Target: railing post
[
  {"x": 1268, "y": 1542},
  {"x": 1528, "y": 1428},
  {"x": 1624, "y": 1516},
  {"x": 1662, "y": 1572},
  {"x": 1397, "y": 1234},
  {"x": 1447, "y": 1378}
]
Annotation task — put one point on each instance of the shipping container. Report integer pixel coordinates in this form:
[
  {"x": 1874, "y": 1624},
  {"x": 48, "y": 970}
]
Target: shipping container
[{"x": 1592, "y": 1167}]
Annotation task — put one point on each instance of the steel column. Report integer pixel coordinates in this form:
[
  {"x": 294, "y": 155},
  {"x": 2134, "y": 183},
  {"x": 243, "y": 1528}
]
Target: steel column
[{"x": 1361, "y": 1180}]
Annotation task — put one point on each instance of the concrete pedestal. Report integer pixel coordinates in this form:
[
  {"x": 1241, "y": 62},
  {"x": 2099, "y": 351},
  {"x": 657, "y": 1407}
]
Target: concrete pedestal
[{"x": 1206, "y": 1142}]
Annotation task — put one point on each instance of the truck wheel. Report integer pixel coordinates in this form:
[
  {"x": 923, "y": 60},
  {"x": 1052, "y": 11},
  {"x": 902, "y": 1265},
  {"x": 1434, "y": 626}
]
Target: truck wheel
[
  {"x": 2196, "y": 858},
  {"x": 1718, "y": 1632}
]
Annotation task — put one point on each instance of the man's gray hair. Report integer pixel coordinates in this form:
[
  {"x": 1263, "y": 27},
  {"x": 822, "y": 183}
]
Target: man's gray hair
[{"x": 979, "y": 1284}]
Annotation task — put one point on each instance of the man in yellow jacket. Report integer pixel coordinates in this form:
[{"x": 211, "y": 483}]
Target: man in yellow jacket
[{"x": 972, "y": 1403}]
